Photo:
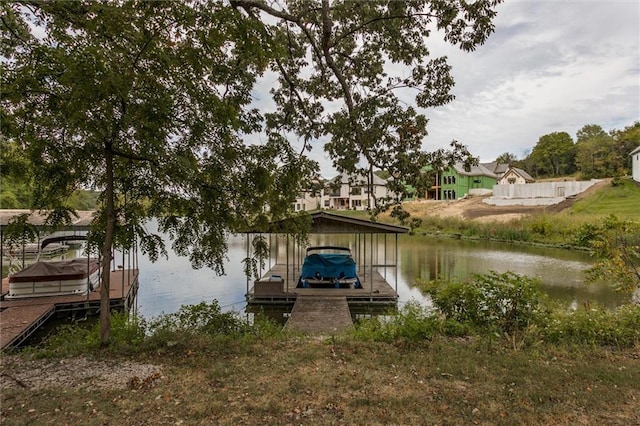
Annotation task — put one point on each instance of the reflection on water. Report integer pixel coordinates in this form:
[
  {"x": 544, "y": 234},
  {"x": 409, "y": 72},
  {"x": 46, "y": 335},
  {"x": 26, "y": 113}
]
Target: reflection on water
[
  {"x": 170, "y": 283},
  {"x": 561, "y": 271}
]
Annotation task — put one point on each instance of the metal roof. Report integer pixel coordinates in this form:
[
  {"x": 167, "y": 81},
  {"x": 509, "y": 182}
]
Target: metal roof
[
  {"x": 324, "y": 222},
  {"x": 82, "y": 222}
]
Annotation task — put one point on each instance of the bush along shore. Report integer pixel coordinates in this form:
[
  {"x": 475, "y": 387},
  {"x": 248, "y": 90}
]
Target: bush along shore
[{"x": 491, "y": 350}]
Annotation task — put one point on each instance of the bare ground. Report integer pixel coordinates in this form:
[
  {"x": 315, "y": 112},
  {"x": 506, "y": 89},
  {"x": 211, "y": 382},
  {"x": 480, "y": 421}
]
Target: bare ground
[
  {"x": 474, "y": 208},
  {"x": 22, "y": 372}
]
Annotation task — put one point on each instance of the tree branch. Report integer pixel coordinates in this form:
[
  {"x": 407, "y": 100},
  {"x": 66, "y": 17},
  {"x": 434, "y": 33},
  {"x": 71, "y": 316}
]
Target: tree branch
[
  {"x": 341, "y": 37},
  {"x": 12, "y": 31}
]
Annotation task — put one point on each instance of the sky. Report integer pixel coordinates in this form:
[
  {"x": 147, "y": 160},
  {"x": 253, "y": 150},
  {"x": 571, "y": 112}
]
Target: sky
[{"x": 550, "y": 66}]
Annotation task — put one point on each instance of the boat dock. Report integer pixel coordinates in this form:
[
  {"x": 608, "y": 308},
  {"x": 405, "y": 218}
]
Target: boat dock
[
  {"x": 19, "y": 318},
  {"x": 277, "y": 287},
  {"x": 326, "y": 305},
  {"x": 316, "y": 314}
]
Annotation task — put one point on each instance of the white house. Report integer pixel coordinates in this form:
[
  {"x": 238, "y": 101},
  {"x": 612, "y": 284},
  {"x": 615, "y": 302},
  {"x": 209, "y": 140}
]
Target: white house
[
  {"x": 307, "y": 201},
  {"x": 351, "y": 192},
  {"x": 635, "y": 164},
  {"x": 515, "y": 175},
  {"x": 344, "y": 192}
]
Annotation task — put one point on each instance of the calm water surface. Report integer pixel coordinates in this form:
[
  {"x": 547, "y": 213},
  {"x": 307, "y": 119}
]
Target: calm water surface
[{"x": 169, "y": 283}]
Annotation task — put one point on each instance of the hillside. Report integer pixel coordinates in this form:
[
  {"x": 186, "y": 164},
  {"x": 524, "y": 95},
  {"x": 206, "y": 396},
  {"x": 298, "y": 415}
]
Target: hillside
[{"x": 600, "y": 200}]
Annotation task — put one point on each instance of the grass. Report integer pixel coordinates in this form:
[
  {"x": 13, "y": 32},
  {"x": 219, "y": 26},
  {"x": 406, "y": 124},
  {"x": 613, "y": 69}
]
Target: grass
[
  {"x": 334, "y": 381},
  {"x": 622, "y": 200},
  {"x": 402, "y": 370}
]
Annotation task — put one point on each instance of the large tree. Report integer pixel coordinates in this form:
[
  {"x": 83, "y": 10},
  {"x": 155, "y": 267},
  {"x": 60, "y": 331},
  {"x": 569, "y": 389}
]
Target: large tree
[
  {"x": 626, "y": 140},
  {"x": 553, "y": 155},
  {"x": 151, "y": 103},
  {"x": 596, "y": 155}
]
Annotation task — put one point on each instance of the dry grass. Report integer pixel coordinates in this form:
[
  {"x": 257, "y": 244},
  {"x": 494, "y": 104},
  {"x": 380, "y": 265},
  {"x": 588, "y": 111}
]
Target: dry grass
[{"x": 336, "y": 381}]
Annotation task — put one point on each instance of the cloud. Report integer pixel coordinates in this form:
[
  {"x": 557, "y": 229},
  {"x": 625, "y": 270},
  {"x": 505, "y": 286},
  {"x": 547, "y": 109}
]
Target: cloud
[{"x": 550, "y": 66}]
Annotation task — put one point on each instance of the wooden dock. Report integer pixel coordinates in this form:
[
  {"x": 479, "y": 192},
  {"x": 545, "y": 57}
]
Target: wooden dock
[
  {"x": 19, "y": 318},
  {"x": 375, "y": 290},
  {"x": 320, "y": 314}
]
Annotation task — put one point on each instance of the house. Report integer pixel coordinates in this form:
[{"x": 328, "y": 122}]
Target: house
[
  {"x": 307, "y": 200},
  {"x": 515, "y": 175},
  {"x": 344, "y": 192},
  {"x": 456, "y": 182},
  {"x": 499, "y": 169},
  {"x": 351, "y": 192},
  {"x": 635, "y": 164}
]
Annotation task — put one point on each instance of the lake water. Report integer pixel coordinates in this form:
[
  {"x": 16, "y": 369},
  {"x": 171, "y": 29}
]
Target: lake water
[{"x": 169, "y": 283}]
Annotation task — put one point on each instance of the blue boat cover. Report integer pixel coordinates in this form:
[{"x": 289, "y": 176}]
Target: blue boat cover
[{"x": 327, "y": 267}]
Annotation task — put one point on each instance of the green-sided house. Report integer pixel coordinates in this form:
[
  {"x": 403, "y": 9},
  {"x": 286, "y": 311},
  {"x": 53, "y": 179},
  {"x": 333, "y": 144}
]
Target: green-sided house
[{"x": 456, "y": 182}]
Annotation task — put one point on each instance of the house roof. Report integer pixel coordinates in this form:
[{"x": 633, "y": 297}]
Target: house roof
[
  {"x": 635, "y": 151},
  {"x": 479, "y": 170},
  {"x": 526, "y": 176},
  {"x": 497, "y": 168},
  {"x": 323, "y": 222}
]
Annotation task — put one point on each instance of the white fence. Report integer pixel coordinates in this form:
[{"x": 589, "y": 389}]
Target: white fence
[{"x": 543, "y": 193}]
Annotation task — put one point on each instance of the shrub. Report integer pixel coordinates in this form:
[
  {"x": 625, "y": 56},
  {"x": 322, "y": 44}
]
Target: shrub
[
  {"x": 203, "y": 318},
  {"x": 595, "y": 326},
  {"x": 491, "y": 302},
  {"x": 412, "y": 323}
]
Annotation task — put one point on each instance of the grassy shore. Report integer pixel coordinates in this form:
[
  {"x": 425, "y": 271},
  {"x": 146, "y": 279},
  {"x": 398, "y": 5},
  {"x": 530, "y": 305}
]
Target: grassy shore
[
  {"x": 339, "y": 381},
  {"x": 525, "y": 365}
]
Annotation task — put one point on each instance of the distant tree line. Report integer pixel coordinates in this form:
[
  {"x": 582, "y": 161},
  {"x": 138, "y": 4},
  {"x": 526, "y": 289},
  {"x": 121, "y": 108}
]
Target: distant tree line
[
  {"x": 594, "y": 154},
  {"x": 18, "y": 181}
]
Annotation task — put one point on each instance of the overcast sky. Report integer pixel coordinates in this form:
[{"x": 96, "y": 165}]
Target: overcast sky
[{"x": 550, "y": 66}]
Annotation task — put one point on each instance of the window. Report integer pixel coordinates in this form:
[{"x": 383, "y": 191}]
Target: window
[{"x": 512, "y": 180}]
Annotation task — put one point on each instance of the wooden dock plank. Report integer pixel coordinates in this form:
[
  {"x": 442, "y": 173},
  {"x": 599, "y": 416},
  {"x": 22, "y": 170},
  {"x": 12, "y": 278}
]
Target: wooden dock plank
[
  {"x": 16, "y": 321},
  {"x": 20, "y": 317},
  {"x": 320, "y": 314},
  {"x": 373, "y": 286}
]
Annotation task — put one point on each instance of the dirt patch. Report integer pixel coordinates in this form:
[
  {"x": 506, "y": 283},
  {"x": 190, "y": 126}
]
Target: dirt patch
[
  {"x": 20, "y": 372},
  {"x": 475, "y": 209}
]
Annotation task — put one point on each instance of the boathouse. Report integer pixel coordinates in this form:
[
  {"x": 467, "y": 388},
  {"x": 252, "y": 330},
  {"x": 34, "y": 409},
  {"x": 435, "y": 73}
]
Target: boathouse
[{"x": 375, "y": 250}]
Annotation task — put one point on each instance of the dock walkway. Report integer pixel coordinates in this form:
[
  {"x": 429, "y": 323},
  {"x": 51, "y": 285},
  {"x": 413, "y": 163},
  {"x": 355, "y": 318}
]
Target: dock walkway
[
  {"x": 320, "y": 314},
  {"x": 19, "y": 318},
  {"x": 375, "y": 290}
]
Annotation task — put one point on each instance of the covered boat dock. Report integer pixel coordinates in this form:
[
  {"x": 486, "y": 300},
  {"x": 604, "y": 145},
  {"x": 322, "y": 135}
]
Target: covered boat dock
[
  {"x": 21, "y": 316},
  {"x": 375, "y": 250}
]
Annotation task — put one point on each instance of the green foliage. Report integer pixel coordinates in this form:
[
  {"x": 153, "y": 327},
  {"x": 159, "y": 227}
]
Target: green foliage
[
  {"x": 505, "y": 303},
  {"x": 616, "y": 246},
  {"x": 596, "y": 153},
  {"x": 399, "y": 213},
  {"x": 412, "y": 323},
  {"x": 595, "y": 326},
  {"x": 127, "y": 335},
  {"x": 204, "y": 318},
  {"x": 19, "y": 231},
  {"x": 553, "y": 155}
]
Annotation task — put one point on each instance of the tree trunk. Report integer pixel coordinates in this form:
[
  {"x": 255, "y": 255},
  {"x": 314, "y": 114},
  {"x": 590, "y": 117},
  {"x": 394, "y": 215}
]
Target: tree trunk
[{"x": 105, "y": 311}]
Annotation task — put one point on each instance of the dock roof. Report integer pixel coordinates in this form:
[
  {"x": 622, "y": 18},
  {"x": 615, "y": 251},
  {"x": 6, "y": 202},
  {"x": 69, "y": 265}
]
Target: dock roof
[
  {"x": 323, "y": 222},
  {"x": 82, "y": 222}
]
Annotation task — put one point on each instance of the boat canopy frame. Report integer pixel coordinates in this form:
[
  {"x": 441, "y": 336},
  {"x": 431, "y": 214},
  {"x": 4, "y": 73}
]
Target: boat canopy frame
[{"x": 323, "y": 222}]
